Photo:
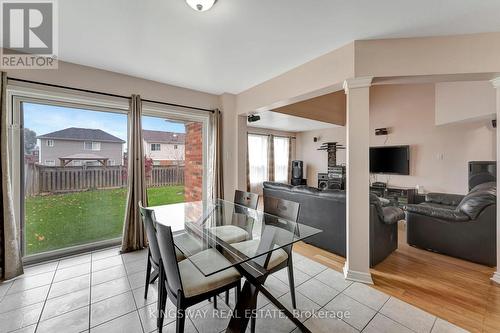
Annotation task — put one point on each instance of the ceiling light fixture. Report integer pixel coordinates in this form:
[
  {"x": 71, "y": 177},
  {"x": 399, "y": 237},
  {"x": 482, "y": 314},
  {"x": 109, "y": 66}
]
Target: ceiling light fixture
[{"x": 201, "y": 5}]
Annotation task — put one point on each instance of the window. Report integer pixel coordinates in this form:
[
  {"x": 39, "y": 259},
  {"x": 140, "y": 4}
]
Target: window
[
  {"x": 175, "y": 147},
  {"x": 61, "y": 208},
  {"x": 50, "y": 143},
  {"x": 111, "y": 162},
  {"x": 281, "y": 159},
  {"x": 257, "y": 160},
  {"x": 92, "y": 145},
  {"x": 155, "y": 147}
]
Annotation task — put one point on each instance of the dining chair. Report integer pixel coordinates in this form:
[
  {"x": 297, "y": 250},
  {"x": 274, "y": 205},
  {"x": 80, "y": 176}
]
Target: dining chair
[
  {"x": 153, "y": 260},
  {"x": 281, "y": 258},
  {"x": 240, "y": 227},
  {"x": 184, "y": 284}
]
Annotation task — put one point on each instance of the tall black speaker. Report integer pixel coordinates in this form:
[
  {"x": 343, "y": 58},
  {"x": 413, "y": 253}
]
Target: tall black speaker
[{"x": 297, "y": 169}]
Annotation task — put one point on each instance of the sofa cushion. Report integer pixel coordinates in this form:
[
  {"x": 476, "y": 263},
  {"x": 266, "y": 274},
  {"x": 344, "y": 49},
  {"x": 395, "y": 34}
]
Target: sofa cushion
[
  {"x": 392, "y": 215},
  {"x": 277, "y": 186},
  {"x": 452, "y": 215},
  {"x": 305, "y": 189},
  {"x": 337, "y": 195},
  {"x": 444, "y": 199},
  {"x": 484, "y": 186},
  {"x": 436, "y": 205},
  {"x": 478, "y": 199}
]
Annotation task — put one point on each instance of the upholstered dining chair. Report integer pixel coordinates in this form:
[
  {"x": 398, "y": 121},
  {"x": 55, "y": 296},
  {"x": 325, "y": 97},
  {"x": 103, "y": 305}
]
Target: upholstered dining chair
[
  {"x": 153, "y": 260},
  {"x": 239, "y": 229},
  {"x": 282, "y": 258},
  {"x": 184, "y": 284}
]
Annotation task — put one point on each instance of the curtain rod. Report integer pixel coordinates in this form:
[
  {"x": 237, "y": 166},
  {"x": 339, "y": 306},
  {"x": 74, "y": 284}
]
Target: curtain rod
[
  {"x": 279, "y": 136},
  {"x": 109, "y": 94}
]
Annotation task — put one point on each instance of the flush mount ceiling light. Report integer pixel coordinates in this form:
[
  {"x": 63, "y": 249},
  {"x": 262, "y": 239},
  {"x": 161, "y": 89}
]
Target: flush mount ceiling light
[{"x": 201, "y": 5}]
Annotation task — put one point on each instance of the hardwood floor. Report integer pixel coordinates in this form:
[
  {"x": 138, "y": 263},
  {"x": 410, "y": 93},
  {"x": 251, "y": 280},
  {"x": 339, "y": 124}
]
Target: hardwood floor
[{"x": 453, "y": 289}]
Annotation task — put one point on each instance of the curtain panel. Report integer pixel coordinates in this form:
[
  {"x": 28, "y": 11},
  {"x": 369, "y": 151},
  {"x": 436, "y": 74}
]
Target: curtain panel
[
  {"x": 270, "y": 159},
  {"x": 134, "y": 235},
  {"x": 216, "y": 185},
  {"x": 11, "y": 241}
]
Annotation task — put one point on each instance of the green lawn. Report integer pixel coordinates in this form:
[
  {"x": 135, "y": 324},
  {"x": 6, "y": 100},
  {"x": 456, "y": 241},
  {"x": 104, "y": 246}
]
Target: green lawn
[{"x": 62, "y": 220}]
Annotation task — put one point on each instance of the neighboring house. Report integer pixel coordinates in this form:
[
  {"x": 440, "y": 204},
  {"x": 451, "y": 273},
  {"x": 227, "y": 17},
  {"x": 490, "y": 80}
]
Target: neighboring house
[
  {"x": 80, "y": 146},
  {"x": 164, "y": 148}
]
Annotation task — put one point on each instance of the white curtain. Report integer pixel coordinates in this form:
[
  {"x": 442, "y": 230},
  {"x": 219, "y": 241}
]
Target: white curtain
[
  {"x": 257, "y": 161},
  {"x": 281, "y": 159}
]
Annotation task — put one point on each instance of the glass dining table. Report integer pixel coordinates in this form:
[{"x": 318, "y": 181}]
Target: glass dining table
[{"x": 245, "y": 237}]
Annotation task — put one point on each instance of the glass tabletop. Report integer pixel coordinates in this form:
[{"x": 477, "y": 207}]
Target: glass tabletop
[{"x": 240, "y": 234}]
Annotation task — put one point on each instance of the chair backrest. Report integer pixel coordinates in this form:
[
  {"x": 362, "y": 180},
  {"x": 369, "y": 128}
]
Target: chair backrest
[
  {"x": 285, "y": 209},
  {"x": 247, "y": 199},
  {"x": 169, "y": 259},
  {"x": 149, "y": 221}
]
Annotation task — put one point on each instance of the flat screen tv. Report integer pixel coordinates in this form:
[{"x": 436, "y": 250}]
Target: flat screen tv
[{"x": 390, "y": 159}]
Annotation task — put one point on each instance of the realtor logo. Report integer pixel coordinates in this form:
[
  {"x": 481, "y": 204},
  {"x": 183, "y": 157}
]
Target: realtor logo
[{"x": 29, "y": 34}]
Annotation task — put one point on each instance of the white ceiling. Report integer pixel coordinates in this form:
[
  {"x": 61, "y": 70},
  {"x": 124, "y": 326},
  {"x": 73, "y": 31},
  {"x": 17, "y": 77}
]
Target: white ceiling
[
  {"x": 284, "y": 122},
  {"x": 241, "y": 43}
]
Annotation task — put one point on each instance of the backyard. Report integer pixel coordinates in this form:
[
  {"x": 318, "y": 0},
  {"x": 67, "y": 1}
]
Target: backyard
[{"x": 61, "y": 220}]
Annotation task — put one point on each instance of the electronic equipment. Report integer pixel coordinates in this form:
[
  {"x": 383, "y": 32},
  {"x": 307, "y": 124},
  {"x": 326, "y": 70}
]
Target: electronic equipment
[
  {"x": 390, "y": 159},
  {"x": 297, "y": 169},
  {"x": 322, "y": 181},
  {"x": 253, "y": 118},
  {"x": 381, "y": 131},
  {"x": 298, "y": 181},
  {"x": 482, "y": 172},
  {"x": 379, "y": 185},
  {"x": 336, "y": 173},
  {"x": 336, "y": 177}
]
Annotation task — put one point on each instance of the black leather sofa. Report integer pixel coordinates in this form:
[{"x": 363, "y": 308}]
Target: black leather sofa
[
  {"x": 456, "y": 225},
  {"x": 326, "y": 210}
]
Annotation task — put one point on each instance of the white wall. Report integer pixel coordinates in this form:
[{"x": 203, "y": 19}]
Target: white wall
[
  {"x": 317, "y": 160},
  {"x": 465, "y": 100},
  {"x": 439, "y": 154}
]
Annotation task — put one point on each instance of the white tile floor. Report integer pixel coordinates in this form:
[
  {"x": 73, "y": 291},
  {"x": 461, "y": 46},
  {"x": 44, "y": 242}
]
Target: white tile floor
[{"x": 103, "y": 292}]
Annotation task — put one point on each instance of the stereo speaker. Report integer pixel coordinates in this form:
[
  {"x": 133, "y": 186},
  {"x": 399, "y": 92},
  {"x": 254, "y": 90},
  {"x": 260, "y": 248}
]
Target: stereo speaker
[
  {"x": 297, "y": 169},
  {"x": 322, "y": 181}
]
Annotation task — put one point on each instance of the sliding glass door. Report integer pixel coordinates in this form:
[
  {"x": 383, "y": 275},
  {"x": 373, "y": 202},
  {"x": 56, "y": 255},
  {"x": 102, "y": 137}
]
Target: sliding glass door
[
  {"x": 75, "y": 176},
  {"x": 70, "y": 166},
  {"x": 173, "y": 152}
]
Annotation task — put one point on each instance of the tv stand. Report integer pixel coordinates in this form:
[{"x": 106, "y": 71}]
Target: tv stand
[{"x": 399, "y": 196}]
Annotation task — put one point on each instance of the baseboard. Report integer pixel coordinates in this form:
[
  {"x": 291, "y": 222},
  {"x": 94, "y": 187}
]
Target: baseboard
[
  {"x": 496, "y": 277},
  {"x": 357, "y": 276}
]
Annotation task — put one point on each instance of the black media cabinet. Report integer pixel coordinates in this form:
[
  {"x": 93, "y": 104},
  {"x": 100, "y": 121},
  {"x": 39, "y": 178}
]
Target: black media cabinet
[{"x": 399, "y": 196}]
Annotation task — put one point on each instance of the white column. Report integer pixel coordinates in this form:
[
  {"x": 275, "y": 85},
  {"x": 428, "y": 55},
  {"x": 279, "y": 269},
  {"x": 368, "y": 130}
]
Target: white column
[
  {"x": 357, "y": 266},
  {"x": 496, "y": 275},
  {"x": 229, "y": 144}
]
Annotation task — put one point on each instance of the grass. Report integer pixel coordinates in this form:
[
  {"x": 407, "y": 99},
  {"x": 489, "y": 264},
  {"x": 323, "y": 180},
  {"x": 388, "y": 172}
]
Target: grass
[{"x": 62, "y": 220}]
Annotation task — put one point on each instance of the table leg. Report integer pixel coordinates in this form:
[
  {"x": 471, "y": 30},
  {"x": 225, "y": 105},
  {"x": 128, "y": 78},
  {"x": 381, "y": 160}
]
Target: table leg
[{"x": 247, "y": 304}]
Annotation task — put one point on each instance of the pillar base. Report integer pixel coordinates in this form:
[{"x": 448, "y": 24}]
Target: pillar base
[
  {"x": 355, "y": 276},
  {"x": 496, "y": 277}
]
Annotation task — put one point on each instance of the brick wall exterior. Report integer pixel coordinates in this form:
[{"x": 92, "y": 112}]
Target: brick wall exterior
[{"x": 193, "y": 172}]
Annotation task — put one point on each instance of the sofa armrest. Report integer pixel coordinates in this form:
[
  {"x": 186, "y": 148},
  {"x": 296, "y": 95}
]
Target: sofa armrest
[
  {"x": 444, "y": 198},
  {"x": 393, "y": 214},
  {"x": 439, "y": 213}
]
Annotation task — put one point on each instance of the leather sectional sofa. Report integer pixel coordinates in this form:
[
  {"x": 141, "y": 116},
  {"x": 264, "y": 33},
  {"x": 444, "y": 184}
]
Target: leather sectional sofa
[
  {"x": 456, "y": 225},
  {"x": 326, "y": 210}
]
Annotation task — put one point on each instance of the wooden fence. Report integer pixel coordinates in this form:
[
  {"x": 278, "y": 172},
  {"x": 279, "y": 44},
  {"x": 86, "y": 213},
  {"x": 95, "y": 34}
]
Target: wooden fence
[{"x": 48, "y": 179}]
